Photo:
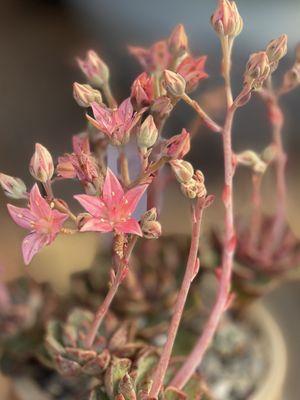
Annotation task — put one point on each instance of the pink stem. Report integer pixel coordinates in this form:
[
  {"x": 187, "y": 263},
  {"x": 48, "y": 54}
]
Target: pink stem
[
  {"x": 196, "y": 356},
  {"x": 162, "y": 366},
  {"x": 255, "y": 222}
]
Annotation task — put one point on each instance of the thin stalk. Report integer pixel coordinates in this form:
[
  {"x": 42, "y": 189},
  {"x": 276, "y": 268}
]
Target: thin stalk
[
  {"x": 164, "y": 360},
  {"x": 196, "y": 356},
  {"x": 124, "y": 168},
  {"x": 104, "y": 307},
  {"x": 109, "y": 96},
  {"x": 256, "y": 215},
  {"x": 226, "y": 44},
  {"x": 202, "y": 114}
]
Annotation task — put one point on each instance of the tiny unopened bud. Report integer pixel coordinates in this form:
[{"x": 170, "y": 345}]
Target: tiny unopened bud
[
  {"x": 189, "y": 189},
  {"x": 174, "y": 83},
  {"x": 277, "y": 49},
  {"x": 147, "y": 134},
  {"x": 178, "y": 146},
  {"x": 201, "y": 189},
  {"x": 251, "y": 159},
  {"x": 178, "y": 41},
  {"x": 269, "y": 154},
  {"x": 257, "y": 70},
  {"x": 13, "y": 187},
  {"x": 41, "y": 165},
  {"x": 226, "y": 20},
  {"x": 162, "y": 107},
  {"x": 151, "y": 229},
  {"x": 149, "y": 215},
  {"x": 183, "y": 170},
  {"x": 94, "y": 68},
  {"x": 84, "y": 95}
]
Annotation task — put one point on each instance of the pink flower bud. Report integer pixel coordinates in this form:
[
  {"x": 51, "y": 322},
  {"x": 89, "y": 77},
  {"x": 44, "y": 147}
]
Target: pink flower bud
[
  {"x": 84, "y": 95},
  {"x": 161, "y": 107},
  {"x": 147, "y": 134},
  {"x": 178, "y": 41},
  {"x": 201, "y": 189},
  {"x": 174, "y": 83},
  {"x": 189, "y": 189},
  {"x": 226, "y": 20},
  {"x": 151, "y": 229},
  {"x": 178, "y": 146},
  {"x": 142, "y": 91},
  {"x": 13, "y": 187},
  {"x": 94, "y": 68},
  {"x": 41, "y": 165},
  {"x": 257, "y": 70},
  {"x": 150, "y": 215},
  {"x": 276, "y": 50},
  {"x": 183, "y": 170}
]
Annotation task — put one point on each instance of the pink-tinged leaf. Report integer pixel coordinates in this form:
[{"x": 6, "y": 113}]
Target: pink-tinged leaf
[
  {"x": 92, "y": 204},
  {"x": 22, "y": 216},
  {"x": 112, "y": 189},
  {"x": 95, "y": 225},
  {"x": 131, "y": 199},
  {"x": 32, "y": 244},
  {"x": 38, "y": 204},
  {"x": 129, "y": 226}
]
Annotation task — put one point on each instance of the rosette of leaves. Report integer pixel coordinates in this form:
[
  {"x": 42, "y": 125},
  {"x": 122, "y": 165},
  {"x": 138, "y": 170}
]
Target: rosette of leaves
[{"x": 24, "y": 308}]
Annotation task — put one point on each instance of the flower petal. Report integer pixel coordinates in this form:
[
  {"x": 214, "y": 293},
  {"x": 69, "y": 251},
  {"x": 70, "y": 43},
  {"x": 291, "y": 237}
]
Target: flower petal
[
  {"x": 65, "y": 167},
  {"x": 38, "y": 205},
  {"x": 81, "y": 144},
  {"x": 131, "y": 199},
  {"x": 103, "y": 116},
  {"x": 93, "y": 204},
  {"x": 22, "y": 216},
  {"x": 129, "y": 226},
  {"x": 32, "y": 244},
  {"x": 112, "y": 189},
  {"x": 94, "y": 224},
  {"x": 125, "y": 111}
]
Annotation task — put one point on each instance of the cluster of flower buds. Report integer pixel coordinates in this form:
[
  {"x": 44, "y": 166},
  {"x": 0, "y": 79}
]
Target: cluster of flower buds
[
  {"x": 14, "y": 188},
  {"x": 195, "y": 187},
  {"x": 178, "y": 41},
  {"x": 226, "y": 20},
  {"x": 151, "y": 228},
  {"x": 257, "y": 70},
  {"x": 250, "y": 159},
  {"x": 147, "y": 134},
  {"x": 183, "y": 170},
  {"x": 85, "y": 95},
  {"x": 41, "y": 165},
  {"x": 174, "y": 84},
  {"x": 276, "y": 50},
  {"x": 95, "y": 69}
]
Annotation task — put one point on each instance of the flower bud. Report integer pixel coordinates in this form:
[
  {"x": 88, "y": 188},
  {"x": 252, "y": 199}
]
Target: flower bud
[
  {"x": 13, "y": 187},
  {"x": 183, "y": 170},
  {"x": 94, "y": 68},
  {"x": 162, "y": 107},
  {"x": 251, "y": 159},
  {"x": 257, "y": 70},
  {"x": 277, "y": 49},
  {"x": 147, "y": 134},
  {"x": 149, "y": 215},
  {"x": 201, "y": 189},
  {"x": 174, "y": 83},
  {"x": 226, "y": 20},
  {"x": 84, "y": 95},
  {"x": 151, "y": 229},
  {"x": 41, "y": 165},
  {"x": 291, "y": 78},
  {"x": 269, "y": 154},
  {"x": 189, "y": 189},
  {"x": 178, "y": 146},
  {"x": 178, "y": 41},
  {"x": 142, "y": 91}
]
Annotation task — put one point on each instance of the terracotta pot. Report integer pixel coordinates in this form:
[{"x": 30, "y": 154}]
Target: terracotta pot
[{"x": 271, "y": 387}]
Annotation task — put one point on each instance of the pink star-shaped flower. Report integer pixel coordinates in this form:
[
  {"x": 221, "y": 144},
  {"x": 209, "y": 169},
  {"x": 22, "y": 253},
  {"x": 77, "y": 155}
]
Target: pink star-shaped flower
[
  {"x": 192, "y": 69},
  {"x": 117, "y": 123},
  {"x": 112, "y": 211},
  {"x": 43, "y": 223}
]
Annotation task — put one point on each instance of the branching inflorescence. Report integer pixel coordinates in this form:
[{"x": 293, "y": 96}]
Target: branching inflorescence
[{"x": 110, "y": 198}]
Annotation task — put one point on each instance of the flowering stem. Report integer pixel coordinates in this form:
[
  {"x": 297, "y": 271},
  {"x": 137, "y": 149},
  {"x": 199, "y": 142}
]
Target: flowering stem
[
  {"x": 155, "y": 166},
  {"x": 226, "y": 44},
  {"x": 202, "y": 114},
  {"x": 195, "y": 357},
  {"x": 104, "y": 307},
  {"x": 163, "y": 363},
  {"x": 109, "y": 96}
]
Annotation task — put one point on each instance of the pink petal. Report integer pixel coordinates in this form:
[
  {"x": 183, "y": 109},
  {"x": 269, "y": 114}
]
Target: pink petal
[
  {"x": 58, "y": 219},
  {"x": 112, "y": 189},
  {"x": 65, "y": 167},
  {"x": 92, "y": 204},
  {"x": 81, "y": 144},
  {"x": 38, "y": 205},
  {"x": 129, "y": 226},
  {"x": 22, "y": 216},
  {"x": 125, "y": 111},
  {"x": 32, "y": 244},
  {"x": 131, "y": 199},
  {"x": 94, "y": 224},
  {"x": 103, "y": 116}
]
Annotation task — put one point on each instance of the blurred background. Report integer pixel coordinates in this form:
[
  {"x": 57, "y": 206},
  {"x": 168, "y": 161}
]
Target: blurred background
[{"x": 39, "y": 41}]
